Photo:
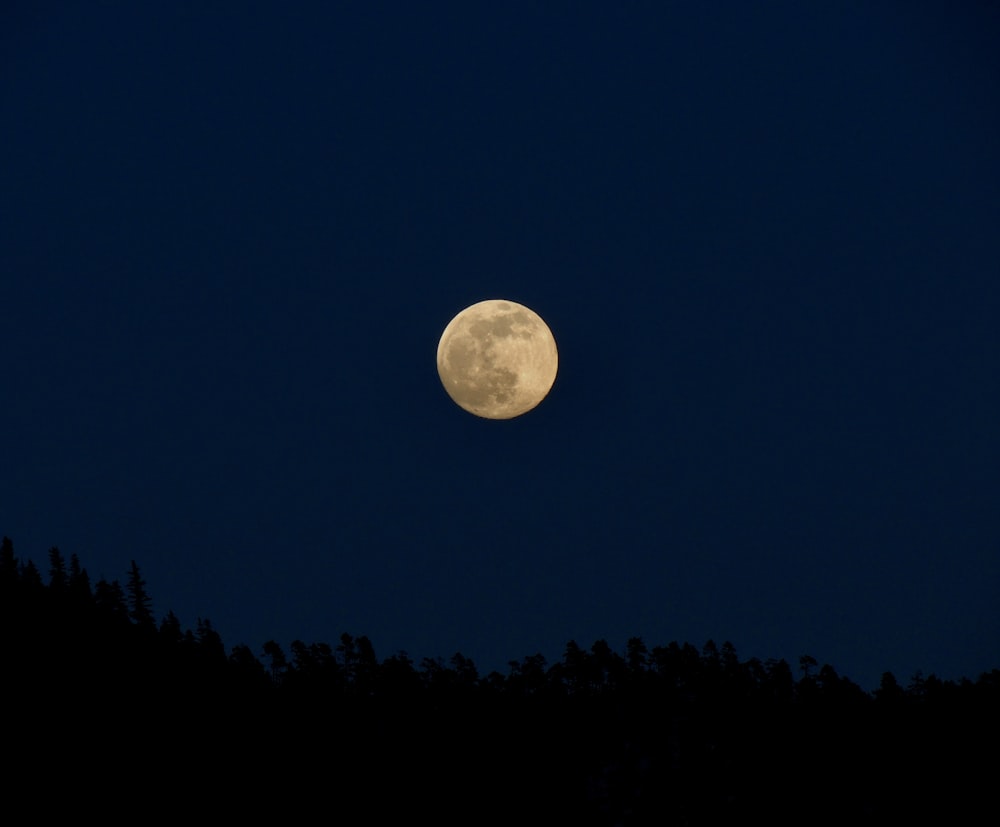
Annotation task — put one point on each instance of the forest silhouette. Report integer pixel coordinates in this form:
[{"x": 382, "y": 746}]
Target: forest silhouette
[{"x": 104, "y": 697}]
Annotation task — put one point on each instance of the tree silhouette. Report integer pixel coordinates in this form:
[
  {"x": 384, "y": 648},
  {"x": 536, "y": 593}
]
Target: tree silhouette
[
  {"x": 248, "y": 672},
  {"x": 661, "y": 735},
  {"x": 636, "y": 655},
  {"x": 140, "y": 604},
  {"x": 889, "y": 690},
  {"x": 30, "y": 578},
  {"x": 170, "y": 629},
  {"x": 210, "y": 644},
  {"x": 807, "y": 663},
  {"x": 109, "y": 598},
  {"x": 79, "y": 582},
  {"x": 277, "y": 661},
  {"x": 466, "y": 674},
  {"x": 58, "y": 579}
]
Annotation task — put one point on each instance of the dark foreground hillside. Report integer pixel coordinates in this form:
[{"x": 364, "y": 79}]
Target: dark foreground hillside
[{"x": 108, "y": 711}]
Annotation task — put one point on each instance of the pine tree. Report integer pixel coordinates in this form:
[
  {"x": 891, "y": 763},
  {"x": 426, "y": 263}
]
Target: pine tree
[
  {"x": 79, "y": 580},
  {"x": 110, "y": 600},
  {"x": 170, "y": 629},
  {"x": 30, "y": 577},
  {"x": 249, "y": 671},
  {"x": 57, "y": 570},
  {"x": 140, "y": 604},
  {"x": 210, "y": 642}
]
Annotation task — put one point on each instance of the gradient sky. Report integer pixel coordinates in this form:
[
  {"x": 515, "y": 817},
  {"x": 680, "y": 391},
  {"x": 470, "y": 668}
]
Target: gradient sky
[{"x": 765, "y": 236}]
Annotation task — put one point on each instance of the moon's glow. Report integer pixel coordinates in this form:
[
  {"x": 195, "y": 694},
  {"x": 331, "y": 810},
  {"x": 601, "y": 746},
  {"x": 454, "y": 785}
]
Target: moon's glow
[{"x": 497, "y": 359}]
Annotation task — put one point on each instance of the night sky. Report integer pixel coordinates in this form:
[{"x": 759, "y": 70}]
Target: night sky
[{"x": 766, "y": 238}]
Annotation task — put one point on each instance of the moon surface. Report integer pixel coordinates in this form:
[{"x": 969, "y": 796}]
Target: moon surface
[{"x": 497, "y": 359}]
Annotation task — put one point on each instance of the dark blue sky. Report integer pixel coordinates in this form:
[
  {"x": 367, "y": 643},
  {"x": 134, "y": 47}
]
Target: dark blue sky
[{"x": 767, "y": 241}]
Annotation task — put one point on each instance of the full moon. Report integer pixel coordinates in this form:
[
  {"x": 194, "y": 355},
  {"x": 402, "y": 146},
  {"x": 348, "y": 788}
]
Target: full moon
[{"x": 497, "y": 359}]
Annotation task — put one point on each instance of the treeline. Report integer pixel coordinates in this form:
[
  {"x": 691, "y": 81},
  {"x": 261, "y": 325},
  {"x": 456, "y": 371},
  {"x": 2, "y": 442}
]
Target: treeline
[{"x": 663, "y": 734}]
